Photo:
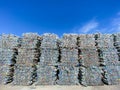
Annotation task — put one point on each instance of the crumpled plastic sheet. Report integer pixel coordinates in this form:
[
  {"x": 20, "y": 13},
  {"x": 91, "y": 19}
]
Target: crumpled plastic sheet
[
  {"x": 49, "y": 41},
  {"x": 46, "y": 75},
  {"x": 111, "y": 75},
  {"x": 68, "y": 41},
  {"x": 91, "y": 76},
  {"x": 68, "y": 75}
]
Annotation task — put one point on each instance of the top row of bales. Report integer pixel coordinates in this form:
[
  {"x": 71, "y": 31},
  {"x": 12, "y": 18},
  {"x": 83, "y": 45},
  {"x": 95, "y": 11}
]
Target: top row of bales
[
  {"x": 53, "y": 41},
  {"x": 67, "y": 41}
]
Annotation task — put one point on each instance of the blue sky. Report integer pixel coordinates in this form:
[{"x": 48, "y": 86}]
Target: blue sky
[{"x": 59, "y": 16}]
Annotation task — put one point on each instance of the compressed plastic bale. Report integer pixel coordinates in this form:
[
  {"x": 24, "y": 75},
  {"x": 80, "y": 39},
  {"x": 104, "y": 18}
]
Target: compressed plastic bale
[
  {"x": 91, "y": 76},
  {"x": 28, "y": 56},
  {"x": 111, "y": 75},
  {"x": 49, "y": 41},
  {"x": 69, "y": 56},
  {"x": 30, "y": 35},
  {"x": 2, "y": 76},
  {"x": 89, "y": 57},
  {"x": 22, "y": 75},
  {"x": 69, "y": 41},
  {"x": 109, "y": 56},
  {"x": 68, "y": 75},
  {"x": 6, "y": 74},
  {"x": 117, "y": 40},
  {"x": 46, "y": 75},
  {"x": 105, "y": 41},
  {"x": 29, "y": 43},
  {"x": 49, "y": 57},
  {"x": 6, "y": 65},
  {"x": 6, "y": 57},
  {"x": 86, "y": 41},
  {"x": 8, "y": 41},
  {"x": 117, "y": 43},
  {"x": 30, "y": 40}
]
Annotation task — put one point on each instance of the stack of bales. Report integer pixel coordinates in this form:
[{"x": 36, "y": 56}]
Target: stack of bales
[
  {"x": 117, "y": 43},
  {"x": 8, "y": 52},
  {"x": 108, "y": 53},
  {"x": 90, "y": 72},
  {"x": 28, "y": 54},
  {"x": 68, "y": 70},
  {"x": 46, "y": 69},
  {"x": 109, "y": 59}
]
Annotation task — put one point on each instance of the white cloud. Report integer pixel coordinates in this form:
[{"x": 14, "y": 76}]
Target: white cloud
[
  {"x": 112, "y": 26},
  {"x": 116, "y": 24},
  {"x": 91, "y": 25}
]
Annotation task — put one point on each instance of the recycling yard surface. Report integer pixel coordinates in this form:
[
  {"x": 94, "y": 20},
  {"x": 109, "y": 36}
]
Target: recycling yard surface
[
  {"x": 114, "y": 87},
  {"x": 84, "y": 62}
]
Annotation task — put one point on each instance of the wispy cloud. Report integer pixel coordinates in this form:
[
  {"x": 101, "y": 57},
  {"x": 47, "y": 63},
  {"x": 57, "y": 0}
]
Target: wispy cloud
[
  {"x": 91, "y": 25},
  {"x": 116, "y": 24},
  {"x": 94, "y": 26}
]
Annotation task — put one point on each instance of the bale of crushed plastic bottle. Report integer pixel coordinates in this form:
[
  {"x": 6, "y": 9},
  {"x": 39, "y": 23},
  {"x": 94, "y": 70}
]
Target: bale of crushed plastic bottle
[
  {"x": 27, "y": 57},
  {"x": 30, "y": 40},
  {"x": 8, "y": 56},
  {"x": 49, "y": 41},
  {"x": 68, "y": 75},
  {"x": 46, "y": 75},
  {"x": 86, "y": 41},
  {"x": 111, "y": 75},
  {"x": 69, "y": 56},
  {"x": 8, "y": 41},
  {"x": 117, "y": 40},
  {"x": 91, "y": 76},
  {"x": 29, "y": 51},
  {"x": 49, "y": 57},
  {"x": 105, "y": 41},
  {"x": 110, "y": 57},
  {"x": 89, "y": 57},
  {"x": 69, "y": 41},
  {"x": 23, "y": 75}
]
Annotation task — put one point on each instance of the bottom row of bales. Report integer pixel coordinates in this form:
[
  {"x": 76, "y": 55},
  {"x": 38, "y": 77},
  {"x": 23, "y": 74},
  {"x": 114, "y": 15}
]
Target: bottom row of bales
[{"x": 62, "y": 75}]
